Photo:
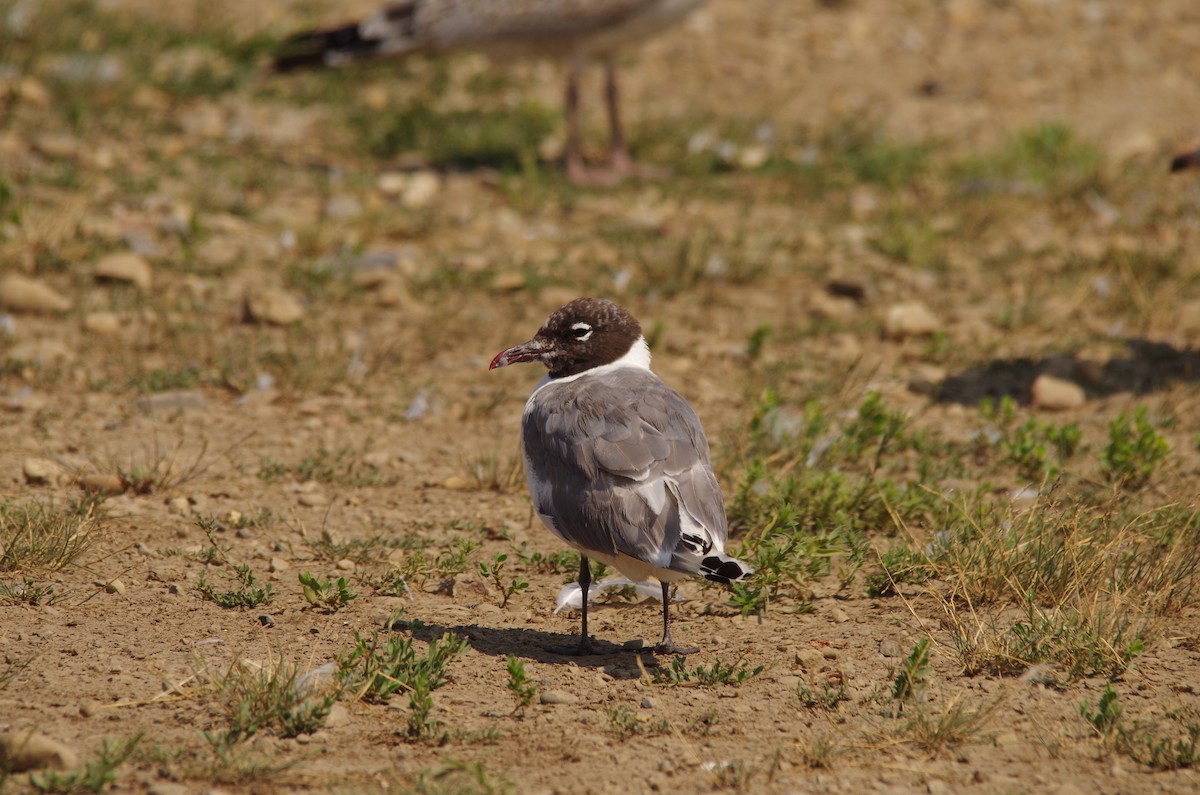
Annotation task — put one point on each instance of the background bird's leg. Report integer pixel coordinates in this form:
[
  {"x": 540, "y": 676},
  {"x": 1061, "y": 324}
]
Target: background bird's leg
[
  {"x": 577, "y": 170},
  {"x": 618, "y": 158},
  {"x": 666, "y": 645}
]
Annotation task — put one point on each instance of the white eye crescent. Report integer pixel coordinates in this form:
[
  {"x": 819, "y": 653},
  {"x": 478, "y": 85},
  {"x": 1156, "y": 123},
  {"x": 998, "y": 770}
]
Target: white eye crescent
[{"x": 581, "y": 331}]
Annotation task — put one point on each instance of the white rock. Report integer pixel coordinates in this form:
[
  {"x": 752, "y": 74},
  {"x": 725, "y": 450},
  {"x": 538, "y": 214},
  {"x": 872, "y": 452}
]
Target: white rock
[
  {"x": 1056, "y": 394},
  {"x": 422, "y": 187},
  {"x": 125, "y": 267},
  {"x": 22, "y": 294},
  {"x": 105, "y": 324},
  {"x": 273, "y": 305},
  {"x": 910, "y": 319},
  {"x": 41, "y": 472},
  {"x": 27, "y": 750}
]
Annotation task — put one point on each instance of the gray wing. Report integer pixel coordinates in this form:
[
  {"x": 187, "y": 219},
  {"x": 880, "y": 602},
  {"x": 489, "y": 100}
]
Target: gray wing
[
  {"x": 621, "y": 464},
  {"x": 466, "y": 23}
]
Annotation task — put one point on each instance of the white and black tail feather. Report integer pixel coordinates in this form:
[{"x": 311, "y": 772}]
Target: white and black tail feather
[
  {"x": 724, "y": 569},
  {"x": 389, "y": 32}
]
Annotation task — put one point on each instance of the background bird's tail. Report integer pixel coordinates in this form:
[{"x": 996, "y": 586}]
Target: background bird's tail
[
  {"x": 390, "y": 31},
  {"x": 724, "y": 569},
  {"x": 1186, "y": 161}
]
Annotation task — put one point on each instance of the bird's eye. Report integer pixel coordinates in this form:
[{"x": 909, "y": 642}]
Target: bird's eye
[{"x": 581, "y": 331}]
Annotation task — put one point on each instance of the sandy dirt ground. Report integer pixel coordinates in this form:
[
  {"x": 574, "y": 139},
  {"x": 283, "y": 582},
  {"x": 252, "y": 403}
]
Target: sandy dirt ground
[{"x": 250, "y": 398}]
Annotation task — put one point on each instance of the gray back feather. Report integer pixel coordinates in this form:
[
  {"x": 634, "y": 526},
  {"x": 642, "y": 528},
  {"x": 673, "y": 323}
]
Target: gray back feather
[{"x": 623, "y": 466}]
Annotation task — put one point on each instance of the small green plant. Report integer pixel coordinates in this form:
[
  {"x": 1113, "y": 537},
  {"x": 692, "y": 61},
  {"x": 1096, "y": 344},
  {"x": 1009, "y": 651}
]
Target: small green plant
[
  {"x": 492, "y": 571},
  {"x": 374, "y": 672},
  {"x": 910, "y": 681},
  {"x": 97, "y": 775},
  {"x": 735, "y": 673},
  {"x": 1105, "y": 718},
  {"x": 524, "y": 692},
  {"x": 27, "y": 592},
  {"x": 899, "y": 565},
  {"x": 1147, "y": 744},
  {"x": 626, "y": 723},
  {"x": 826, "y": 695},
  {"x": 1135, "y": 450},
  {"x": 215, "y": 553},
  {"x": 1038, "y": 449},
  {"x": 325, "y": 594},
  {"x": 456, "y": 777},
  {"x": 248, "y": 592}
]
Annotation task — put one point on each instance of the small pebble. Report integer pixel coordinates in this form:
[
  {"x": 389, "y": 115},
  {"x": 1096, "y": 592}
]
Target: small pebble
[{"x": 266, "y": 620}]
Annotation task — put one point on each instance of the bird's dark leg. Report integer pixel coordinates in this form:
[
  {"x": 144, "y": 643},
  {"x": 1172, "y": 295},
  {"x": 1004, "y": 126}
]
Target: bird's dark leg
[
  {"x": 577, "y": 170},
  {"x": 585, "y": 642},
  {"x": 618, "y": 158},
  {"x": 666, "y": 645}
]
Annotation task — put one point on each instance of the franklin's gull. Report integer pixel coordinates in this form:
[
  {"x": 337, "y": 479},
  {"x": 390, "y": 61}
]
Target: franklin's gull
[{"x": 617, "y": 462}]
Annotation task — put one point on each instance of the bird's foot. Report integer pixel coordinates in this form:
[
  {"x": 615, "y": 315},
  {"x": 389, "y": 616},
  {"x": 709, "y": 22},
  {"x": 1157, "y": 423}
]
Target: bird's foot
[
  {"x": 670, "y": 647},
  {"x": 620, "y": 167},
  {"x": 582, "y": 175},
  {"x": 585, "y": 648}
]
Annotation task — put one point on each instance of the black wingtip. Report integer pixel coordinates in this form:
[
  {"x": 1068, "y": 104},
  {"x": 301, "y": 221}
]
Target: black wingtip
[
  {"x": 724, "y": 570},
  {"x": 313, "y": 49}
]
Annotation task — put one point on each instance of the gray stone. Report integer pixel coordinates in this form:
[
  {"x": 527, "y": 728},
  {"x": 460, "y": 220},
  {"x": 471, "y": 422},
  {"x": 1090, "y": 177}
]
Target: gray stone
[{"x": 169, "y": 402}]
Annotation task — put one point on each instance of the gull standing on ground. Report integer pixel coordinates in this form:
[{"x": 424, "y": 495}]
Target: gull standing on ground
[
  {"x": 576, "y": 31},
  {"x": 617, "y": 462}
]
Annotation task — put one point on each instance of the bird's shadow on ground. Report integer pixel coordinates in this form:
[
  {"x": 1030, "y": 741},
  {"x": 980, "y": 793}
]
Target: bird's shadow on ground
[
  {"x": 532, "y": 644},
  {"x": 1149, "y": 367}
]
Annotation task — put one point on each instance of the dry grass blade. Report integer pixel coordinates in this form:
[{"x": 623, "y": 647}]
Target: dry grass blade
[{"x": 40, "y": 538}]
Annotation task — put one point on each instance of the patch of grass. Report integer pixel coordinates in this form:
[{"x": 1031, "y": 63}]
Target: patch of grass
[
  {"x": 826, "y": 694},
  {"x": 503, "y": 138},
  {"x": 97, "y": 774},
  {"x": 492, "y": 473},
  {"x": 375, "y": 671},
  {"x": 328, "y": 595},
  {"x": 954, "y": 723},
  {"x": 12, "y": 670},
  {"x": 1048, "y": 157},
  {"x": 160, "y": 469},
  {"x": 39, "y": 537},
  {"x": 1170, "y": 749},
  {"x": 860, "y": 146},
  {"x": 560, "y": 561},
  {"x": 625, "y": 723},
  {"x": 735, "y": 673},
  {"x": 246, "y": 593},
  {"x": 27, "y": 591},
  {"x": 271, "y": 697},
  {"x": 462, "y": 778}
]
